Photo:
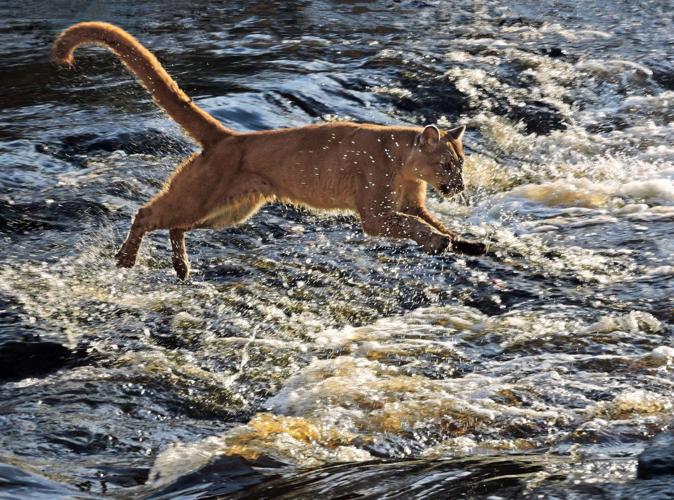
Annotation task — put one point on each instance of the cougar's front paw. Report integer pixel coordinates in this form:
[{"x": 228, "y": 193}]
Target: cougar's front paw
[
  {"x": 437, "y": 243},
  {"x": 469, "y": 247}
]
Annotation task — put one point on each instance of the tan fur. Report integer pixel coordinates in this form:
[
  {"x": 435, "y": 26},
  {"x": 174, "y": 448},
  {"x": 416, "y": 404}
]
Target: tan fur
[{"x": 381, "y": 173}]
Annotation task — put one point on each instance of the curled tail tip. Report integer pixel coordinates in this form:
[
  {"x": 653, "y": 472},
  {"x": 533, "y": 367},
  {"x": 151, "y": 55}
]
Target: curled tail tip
[
  {"x": 62, "y": 56},
  {"x": 62, "y": 50},
  {"x": 70, "y": 38}
]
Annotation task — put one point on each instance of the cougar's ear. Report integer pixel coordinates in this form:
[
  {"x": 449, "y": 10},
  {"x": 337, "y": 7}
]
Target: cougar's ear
[
  {"x": 430, "y": 135},
  {"x": 457, "y": 133}
]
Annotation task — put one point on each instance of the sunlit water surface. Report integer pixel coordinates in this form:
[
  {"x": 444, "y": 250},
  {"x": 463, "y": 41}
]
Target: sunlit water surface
[{"x": 303, "y": 357}]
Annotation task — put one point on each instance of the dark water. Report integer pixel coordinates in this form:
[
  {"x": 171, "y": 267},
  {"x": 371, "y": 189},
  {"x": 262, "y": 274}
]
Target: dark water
[{"x": 303, "y": 357}]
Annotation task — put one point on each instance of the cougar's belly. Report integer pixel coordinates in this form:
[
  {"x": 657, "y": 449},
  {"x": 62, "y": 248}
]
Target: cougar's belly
[
  {"x": 320, "y": 189},
  {"x": 232, "y": 215},
  {"x": 322, "y": 199}
]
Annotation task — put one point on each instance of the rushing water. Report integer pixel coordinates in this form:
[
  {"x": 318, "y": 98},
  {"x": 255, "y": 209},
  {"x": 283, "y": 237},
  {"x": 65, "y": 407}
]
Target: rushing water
[{"x": 303, "y": 357}]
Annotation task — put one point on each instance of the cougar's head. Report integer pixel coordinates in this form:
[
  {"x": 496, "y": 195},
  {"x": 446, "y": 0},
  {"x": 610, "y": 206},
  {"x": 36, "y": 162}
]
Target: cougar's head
[{"x": 437, "y": 158}]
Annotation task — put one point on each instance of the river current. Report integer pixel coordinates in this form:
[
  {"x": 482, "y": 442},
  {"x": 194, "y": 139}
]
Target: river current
[{"x": 304, "y": 358}]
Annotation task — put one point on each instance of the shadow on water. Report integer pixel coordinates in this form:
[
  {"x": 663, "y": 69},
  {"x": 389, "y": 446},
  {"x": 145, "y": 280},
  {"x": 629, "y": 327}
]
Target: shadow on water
[
  {"x": 409, "y": 479},
  {"x": 237, "y": 478}
]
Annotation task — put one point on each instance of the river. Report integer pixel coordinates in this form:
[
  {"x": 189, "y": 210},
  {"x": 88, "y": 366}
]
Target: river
[{"x": 304, "y": 358}]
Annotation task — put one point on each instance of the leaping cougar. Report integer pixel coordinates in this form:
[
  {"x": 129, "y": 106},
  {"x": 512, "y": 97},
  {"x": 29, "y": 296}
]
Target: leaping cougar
[{"x": 379, "y": 172}]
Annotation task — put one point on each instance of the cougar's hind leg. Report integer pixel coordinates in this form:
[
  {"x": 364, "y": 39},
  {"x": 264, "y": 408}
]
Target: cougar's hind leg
[
  {"x": 179, "y": 209},
  {"x": 126, "y": 256},
  {"x": 183, "y": 201},
  {"x": 181, "y": 262},
  {"x": 164, "y": 212}
]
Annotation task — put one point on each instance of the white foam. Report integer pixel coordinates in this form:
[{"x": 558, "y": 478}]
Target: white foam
[
  {"x": 583, "y": 192},
  {"x": 665, "y": 353},
  {"x": 632, "y": 322},
  {"x": 650, "y": 189}
]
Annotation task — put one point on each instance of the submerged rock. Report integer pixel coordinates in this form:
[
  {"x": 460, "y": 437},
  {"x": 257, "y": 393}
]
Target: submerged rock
[
  {"x": 658, "y": 458},
  {"x": 553, "y": 52},
  {"x": 224, "y": 475},
  {"x": 150, "y": 141},
  {"x": 19, "y": 218},
  {"x": 431, "y": 97},
  {"x": 26, "y": 354},
  {"x": 17, "y": 483},
  {"x": 538, "y": 117},
  {"x": 33, "y": 357},
  {"x": 663, "y": 72}
]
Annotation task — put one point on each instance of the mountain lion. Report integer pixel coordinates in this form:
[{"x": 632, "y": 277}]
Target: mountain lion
[{"x": 379, "y": 172}]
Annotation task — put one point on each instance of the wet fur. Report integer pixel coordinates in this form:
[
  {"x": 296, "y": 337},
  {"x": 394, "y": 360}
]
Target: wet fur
[{"x": 379, "y": 172}]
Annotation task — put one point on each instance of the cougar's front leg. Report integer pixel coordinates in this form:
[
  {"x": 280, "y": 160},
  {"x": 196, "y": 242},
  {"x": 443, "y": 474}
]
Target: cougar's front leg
[
  {"x": 424, "y": 214},
  {"x": 379, "y": 218},
  {"x": 399, "y": 225},
  {"x": 414, "y": 203},
  {"x": 458, "y": 244}
]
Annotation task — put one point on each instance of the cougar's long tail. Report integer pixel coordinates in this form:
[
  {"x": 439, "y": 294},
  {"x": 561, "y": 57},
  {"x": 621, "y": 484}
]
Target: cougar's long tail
[{"x": 165, "y": 91}]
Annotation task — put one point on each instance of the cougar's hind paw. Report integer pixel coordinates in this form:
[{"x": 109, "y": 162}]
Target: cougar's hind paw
[
  {"x": 124, "y": 259},
  {"x": 182, "y": 269}
]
